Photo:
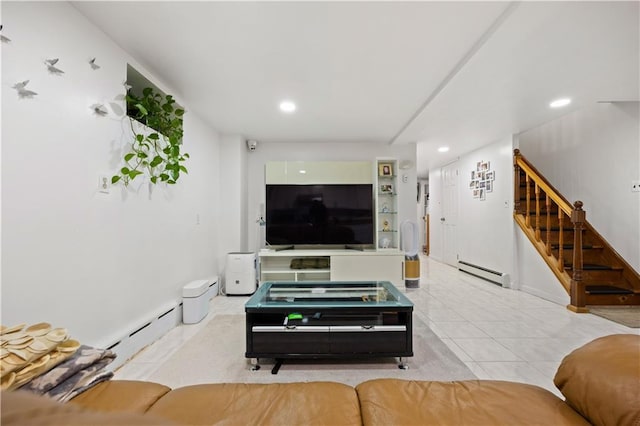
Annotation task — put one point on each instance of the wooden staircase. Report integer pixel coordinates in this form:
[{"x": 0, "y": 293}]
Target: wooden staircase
[{"x": 589, "y": 269}]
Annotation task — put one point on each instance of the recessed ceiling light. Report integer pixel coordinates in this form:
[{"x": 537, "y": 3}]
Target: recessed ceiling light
[
  {"x": 287, "y": 106},
  {"x": 559, "y": 103},
  {"x": 443, "y": 149},
  {"x": 302, "y": 171}
]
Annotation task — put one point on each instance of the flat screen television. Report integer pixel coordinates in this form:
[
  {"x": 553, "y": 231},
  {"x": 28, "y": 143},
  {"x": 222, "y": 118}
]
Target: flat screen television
[{"x": 331, "y": 214}]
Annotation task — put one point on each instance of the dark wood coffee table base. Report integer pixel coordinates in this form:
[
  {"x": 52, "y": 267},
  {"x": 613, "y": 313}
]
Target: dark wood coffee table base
[{"x": 329, "y": 329}]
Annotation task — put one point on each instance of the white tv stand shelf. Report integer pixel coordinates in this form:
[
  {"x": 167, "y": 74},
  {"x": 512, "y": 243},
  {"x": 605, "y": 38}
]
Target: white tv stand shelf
[{"x": 344, "y": 265}]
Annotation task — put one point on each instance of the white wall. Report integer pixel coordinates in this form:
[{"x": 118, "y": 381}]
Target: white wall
[
  {"x": 91, "y": 262},
  {"x": 267, "y": 152},
  {"x": 485, "y": 227},
  {"x": 593, "y": 155},
  {"x": 532, "y": 274},
  {"x": 232, "y": 206}
]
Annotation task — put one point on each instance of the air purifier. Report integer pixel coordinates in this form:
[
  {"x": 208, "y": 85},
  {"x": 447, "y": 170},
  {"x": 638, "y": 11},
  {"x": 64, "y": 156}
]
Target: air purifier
[
  {"x": 409, "y": 231},
  {"x": 240, "y": 273}
]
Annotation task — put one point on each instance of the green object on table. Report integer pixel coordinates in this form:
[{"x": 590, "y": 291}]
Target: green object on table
[{"x": 294, "y": 316}]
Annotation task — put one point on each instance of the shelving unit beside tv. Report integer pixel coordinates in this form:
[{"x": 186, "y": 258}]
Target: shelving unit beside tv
[{"x": 387, "y": 204}]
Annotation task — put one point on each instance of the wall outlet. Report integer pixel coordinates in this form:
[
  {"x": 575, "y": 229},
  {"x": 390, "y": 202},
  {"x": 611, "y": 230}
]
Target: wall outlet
[
  {"x": 635, "y": 186},
  {"x": 104, "y": 184}
]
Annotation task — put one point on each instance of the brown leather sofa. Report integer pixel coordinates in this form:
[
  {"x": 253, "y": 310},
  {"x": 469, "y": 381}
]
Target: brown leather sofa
[{"x": 600, "y": 381}]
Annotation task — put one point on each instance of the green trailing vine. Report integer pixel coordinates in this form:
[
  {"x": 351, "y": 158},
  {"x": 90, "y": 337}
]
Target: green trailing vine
[{"x": 156, "y": 148}]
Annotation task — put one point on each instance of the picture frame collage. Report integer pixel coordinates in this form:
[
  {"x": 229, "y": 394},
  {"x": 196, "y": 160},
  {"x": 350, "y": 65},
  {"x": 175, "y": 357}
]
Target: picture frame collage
[{"x": 482, "y": 180}]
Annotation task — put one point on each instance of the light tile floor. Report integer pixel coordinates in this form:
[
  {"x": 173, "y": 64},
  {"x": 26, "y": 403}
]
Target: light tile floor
[{"x": 498, "y": 333}]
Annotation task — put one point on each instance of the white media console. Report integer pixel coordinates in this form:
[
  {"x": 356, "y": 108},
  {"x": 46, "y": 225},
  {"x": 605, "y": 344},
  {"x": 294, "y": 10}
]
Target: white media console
[{"x": 333, "y": 265}]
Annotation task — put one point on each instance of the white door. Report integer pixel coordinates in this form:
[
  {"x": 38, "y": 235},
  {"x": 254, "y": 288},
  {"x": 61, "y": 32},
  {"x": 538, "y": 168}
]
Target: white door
[{"x": 449, "y": 213}]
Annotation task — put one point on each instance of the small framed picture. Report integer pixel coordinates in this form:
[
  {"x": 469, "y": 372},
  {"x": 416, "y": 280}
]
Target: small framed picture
[
  {"x": 490, "y": 175},
  {"x": 385, "y": 169},
  {"x": 386, "y": 188},
  {"x": 488, "y": 186}
]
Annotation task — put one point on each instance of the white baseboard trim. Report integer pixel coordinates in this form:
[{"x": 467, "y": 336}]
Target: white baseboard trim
[{"x": 544, "y": 295}]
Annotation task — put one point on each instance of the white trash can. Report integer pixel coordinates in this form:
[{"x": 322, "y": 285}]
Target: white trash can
[{"x": 195, "y": 301}]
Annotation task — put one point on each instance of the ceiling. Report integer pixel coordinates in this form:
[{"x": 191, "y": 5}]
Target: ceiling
[{"x": 457, "y": 74}]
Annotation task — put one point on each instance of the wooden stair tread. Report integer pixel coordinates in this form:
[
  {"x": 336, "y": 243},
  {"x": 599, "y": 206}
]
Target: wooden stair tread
[
  {"x": 594, "y": 267},
  {"x": 570, "y": 246},
  {"x": 543, "y": 212},
  {"x": 606, "y": 289},
  {"x": 557, "y": 228}
]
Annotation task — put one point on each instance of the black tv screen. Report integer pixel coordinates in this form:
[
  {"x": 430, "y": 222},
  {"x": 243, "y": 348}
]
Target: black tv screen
[{"x": 319, "y": 214}]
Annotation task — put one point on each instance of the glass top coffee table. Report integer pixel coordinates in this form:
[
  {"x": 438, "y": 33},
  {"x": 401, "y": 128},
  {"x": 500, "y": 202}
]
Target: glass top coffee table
[{"x": 328, "y": 319}]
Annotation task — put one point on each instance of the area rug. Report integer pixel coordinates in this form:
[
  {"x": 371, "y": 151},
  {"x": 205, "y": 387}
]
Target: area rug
[
  {"x": 625, "y": 315},
  {"x": 216, "y": 355}
]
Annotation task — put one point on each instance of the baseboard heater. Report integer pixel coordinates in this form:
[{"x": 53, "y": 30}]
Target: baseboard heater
[
  {"x": 495, "y": 277},
  {"x": 131, "y": 342}
]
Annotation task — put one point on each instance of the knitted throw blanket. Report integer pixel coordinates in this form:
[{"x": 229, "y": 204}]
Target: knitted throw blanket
[{"x": 80, "y": 372}]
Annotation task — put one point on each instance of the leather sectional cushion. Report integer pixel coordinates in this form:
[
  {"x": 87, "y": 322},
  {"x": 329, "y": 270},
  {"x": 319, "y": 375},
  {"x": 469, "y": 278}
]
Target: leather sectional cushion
[
  {"x": 312, "y": 403},
  {"x": 601, "y": 380},
  {"x": 472, "y": 402},
  {"x": 121, "y": 395},
  {"x": 20, "y": 408}
]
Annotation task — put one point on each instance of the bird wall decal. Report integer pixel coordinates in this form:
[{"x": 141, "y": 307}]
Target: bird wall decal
[
  {"x": 99, "y": 109},
  {"x": 50, "y": 63},
  {"x": 20, "y": 85},
  {"x": 92, "y": 63},
  {"x": 23, "y": 92},
  {"x": 4, "y": 39}
]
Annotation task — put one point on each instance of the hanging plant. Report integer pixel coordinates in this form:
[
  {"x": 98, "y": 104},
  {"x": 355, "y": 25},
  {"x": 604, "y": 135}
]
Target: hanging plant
[{"x": 156, "y": 147}]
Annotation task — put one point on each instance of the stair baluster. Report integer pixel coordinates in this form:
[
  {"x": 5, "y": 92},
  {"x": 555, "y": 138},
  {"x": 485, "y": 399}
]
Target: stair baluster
[
  {"x": 516, "y": 180},
  {"x": 547, "y": 204},
  {"x": 528, "y": 188},
  {"x": 537, "y": 192},
  {"x": 560, "y": 241}
]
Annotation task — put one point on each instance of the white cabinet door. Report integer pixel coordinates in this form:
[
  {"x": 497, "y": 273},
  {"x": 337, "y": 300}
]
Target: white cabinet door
[{"x": 368, "y": 268}]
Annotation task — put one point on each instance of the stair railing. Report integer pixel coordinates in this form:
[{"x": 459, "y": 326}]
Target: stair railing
[{"x": 530, "y": 220}]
